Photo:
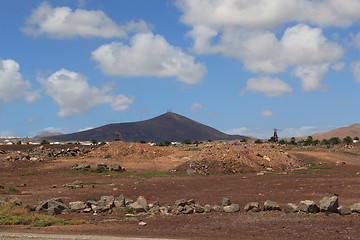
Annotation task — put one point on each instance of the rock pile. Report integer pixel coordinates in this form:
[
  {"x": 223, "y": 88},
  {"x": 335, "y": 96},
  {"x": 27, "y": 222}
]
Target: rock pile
[{"x": 100, "y": 167}]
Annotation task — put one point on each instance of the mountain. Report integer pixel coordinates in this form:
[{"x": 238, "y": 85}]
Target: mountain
[
  {"x": 169, "y": 126},
  {"x": 352, "y": 131},
  {"x": 47, "y": 134}
]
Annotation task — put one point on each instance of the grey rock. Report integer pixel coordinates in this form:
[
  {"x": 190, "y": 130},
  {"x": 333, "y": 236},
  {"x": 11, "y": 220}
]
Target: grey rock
[
  {"x": 207, "y": 208},
  {"x": 231, "y": 208},
  {"x": 78, "y": 205},
  {"x": 128, "y": 201},
  {"x": 291, "y": 208},
  {"x": 106, "y": 202},
  {"x": 342, "y": 210},
  {"x": 52, "y": 203},
  {"x": 140, "y": 205},
  {"x": 154, "y": 209},
  {"x": 308, "y": 206},
  {"x": 54, "y": 210},
  {"x": 355, "y": 208},
  {"x": 217, "y": 208},
  {"x": 198, "y": 208},
  {"x": 191, "y": 172},
  {"x": 252, "y": 206},
  {"x": 83, "y": 167},
  {"x": 271, "y": 205},
  {"x": 187, "y": 209},
  {"x": 165, "y": 209},
  {"x": 190, "y": 202},
  {"x": 225, "y": 202},
  {"x": 116, "y": 167},
  {"x": 329, "y": 204},
  {"x": 119, "y": 201},
  {"x": 1, "y": 202},
  {"x": 180, "y": 202}
]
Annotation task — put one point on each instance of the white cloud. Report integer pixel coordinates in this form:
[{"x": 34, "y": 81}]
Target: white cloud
[
  {"x": 355, "y": 67},
  {"x": 311, "y": 75},
  {"x": 12, "y": 84},
  {"x": 245, "y": 30},
  {"x": 74, "y": 96},
  {"x": 338, "y": 66},
  {"x": 148, "y": 55},
  {"x": 196, "y": 108},
  {"x": 63, "y": 22},
  {"x": 272, "y": 87},
  {"x": 266, "y": 113},
  {"x": 265, "y": 14}
]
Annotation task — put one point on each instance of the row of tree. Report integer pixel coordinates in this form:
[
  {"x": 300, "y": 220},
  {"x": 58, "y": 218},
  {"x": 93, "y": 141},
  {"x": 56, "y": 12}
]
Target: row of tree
[{"x": 310, "y": 141}]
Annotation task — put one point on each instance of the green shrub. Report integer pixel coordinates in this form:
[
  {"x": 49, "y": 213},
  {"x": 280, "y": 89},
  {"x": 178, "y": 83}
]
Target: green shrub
[{"x": 108, "y": 156}]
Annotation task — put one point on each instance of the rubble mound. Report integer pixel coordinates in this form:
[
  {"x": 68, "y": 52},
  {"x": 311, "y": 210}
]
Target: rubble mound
[
  {"x": 119, "y": 149},
  {"x": 236, "y": 157}
]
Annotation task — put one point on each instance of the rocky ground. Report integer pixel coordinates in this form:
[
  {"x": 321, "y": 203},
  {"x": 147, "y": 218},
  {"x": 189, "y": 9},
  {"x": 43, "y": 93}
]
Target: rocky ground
[{"x": 184, "y": 188}]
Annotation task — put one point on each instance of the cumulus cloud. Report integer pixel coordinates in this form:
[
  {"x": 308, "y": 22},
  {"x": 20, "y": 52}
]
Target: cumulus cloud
[
  {"x": 72, "y": 93},
  {"x": 264, "y": 14},
  {"x": 148, "y": 55},
  {"x": 63, "y": 22},
  {"x": 196, "y": 108},
  {"x": 272, "y": 87},
  {"x": 338, "y": 66},
  {"x": 355, "y": 67},
  {"x": 266, "y": 113},
  {"x": 12, "y": 84},
  {"x": 311, "y": 75},
  {"x": 245, "y": 30}
]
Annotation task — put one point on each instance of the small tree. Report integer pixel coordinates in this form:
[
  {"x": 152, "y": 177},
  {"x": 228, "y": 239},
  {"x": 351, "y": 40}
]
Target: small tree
[
  {"x": 94, "y": 142},
  {"x": 335, "y": 140},
  {"x": 293, "y": 141},
  {"x": 187, "y": 141},
  {"x": 258, "y": 141},
  {"x": 282, "y": 141},
  {"x": 309, "y": 140},
  {"x": 347, "y": 140},
  {"x": 44, "y": 141}
]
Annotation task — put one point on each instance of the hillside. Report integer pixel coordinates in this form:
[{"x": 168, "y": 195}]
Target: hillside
[
  {"x": 169, "y": 126},
  {"x": 352, "y": 131}
]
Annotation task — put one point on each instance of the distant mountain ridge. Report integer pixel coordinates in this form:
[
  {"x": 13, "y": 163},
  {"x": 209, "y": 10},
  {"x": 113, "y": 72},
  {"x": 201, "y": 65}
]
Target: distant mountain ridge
[
  {"x": 352, "y": 131},
  {"x": 169, "y": 126}
]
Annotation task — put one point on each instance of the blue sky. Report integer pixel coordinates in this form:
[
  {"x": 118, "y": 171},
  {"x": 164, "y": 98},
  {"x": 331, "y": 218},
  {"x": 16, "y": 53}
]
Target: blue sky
[{"x": 243, "y": 67}]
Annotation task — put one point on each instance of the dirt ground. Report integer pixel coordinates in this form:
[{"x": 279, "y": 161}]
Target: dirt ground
[{"x": 283, "y": 179}]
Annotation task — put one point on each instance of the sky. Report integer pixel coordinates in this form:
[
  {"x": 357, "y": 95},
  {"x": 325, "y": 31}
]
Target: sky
[{"x": 242, "y": 67}]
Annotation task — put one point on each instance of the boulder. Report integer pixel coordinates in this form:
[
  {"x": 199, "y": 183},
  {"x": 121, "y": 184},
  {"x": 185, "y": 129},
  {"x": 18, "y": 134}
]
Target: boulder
[
  {"x": 329, "y": 204},
  {"x": 180, "y": 202},
  {"x": 225, "y": 202},
  {"x": 252, "y": 206},
  {"x": 106, "y": 202},
  {"x": 207, "y": 208},
  {"x": 217, "y": 208},
  {"x": 116, "y": 167},
  {"x": 355, "y": 208},
  {"x": 198, "y": 208},
  {"x": 291, "y": 208},
  {"x": 82, "y": 167},
  {"x": 128, "y": 201},
  {"x": 165, "y": 209},
  {"x": 140, "y": 205},
  {"x": 101, "y": 167},
  {"x": 54, "y": 210},
  {"x": 190, "y": 171},
  {"x": 78, "y": 205},
  {"x": 45, "y": 205},
  {"x": 119, "y": 201},
  {"x": 231, "y": 208},
  {"x": 271, "y": 205},
  {"x": 308, "y": 206},
  {"x": 187, "y": 209},
  {"x": 342, "y": 210}
]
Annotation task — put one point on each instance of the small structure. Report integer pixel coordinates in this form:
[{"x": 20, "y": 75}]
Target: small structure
[
  {"x": 275, "y": 138},
  {"x": 117, "y": 136}
]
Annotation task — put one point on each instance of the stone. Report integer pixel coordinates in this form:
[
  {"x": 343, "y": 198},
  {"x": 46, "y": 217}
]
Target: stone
[
  {"x": 190, "y": 171},
  {"x": 119, "y": 201},
  {"x": 198, "y": 208},
  {"x": 180, "y": 202},
  {"x": 225, "y": 202},
  {"x": 342, "y": 210},
  {"x": 231, "y": 208},
  {"x": 308, "y": 206},
  {"x": 87, "y": 210},
  {"x": 101, "y": 167},
  {"x": 54, "y": 210},
  {"x": 355, "y": 208},
  {"x": 207, "y": 208},
  {"x": 56, "y": 203},
  {"x": 140, "y": 205},
  {"x": 217, "y": 208},
  {"x": 78, "y": 205},
  {"x": 142, "y": 223},
  {"x": 106, "y": 202},
  {"x": 187, "y": 209},
  {"x": 165, "y": 209},
  {"x": 83, "y": 167},
  {"x": 271, "y": 205},
  {"x": 291, "y": 208},
  {"x": 116, "y": 167},
  {"x": 128, "y": 201},
  {"x": 329, "y": 204},
  {"x": 252, "y": 206}
]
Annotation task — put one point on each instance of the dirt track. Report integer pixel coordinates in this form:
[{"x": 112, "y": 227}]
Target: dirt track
[{"x": 313, "y": 184}]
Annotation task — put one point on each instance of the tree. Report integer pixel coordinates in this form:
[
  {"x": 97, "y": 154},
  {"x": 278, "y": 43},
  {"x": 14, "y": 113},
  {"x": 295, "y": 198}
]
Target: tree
[
  {"x": 94, "y": 142},
  {"x": 44, "y": 141},
  {"x": 293, "y": 141},
  {"x": 335, "y": 140},
  {"x": 356, "y": 138},
  {"x": 309, "y": 140},
  {"x": 325, "y": 142},
  {"x": 347, "y": 140},
  {"x": 187, "y": 141},
  {"x": 258, "y": 141},
  {"x": 282, "y": 141}
]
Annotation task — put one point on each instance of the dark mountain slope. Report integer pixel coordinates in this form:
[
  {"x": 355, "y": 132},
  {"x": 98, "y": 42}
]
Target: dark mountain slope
[{"x": 169, "y": 126}]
